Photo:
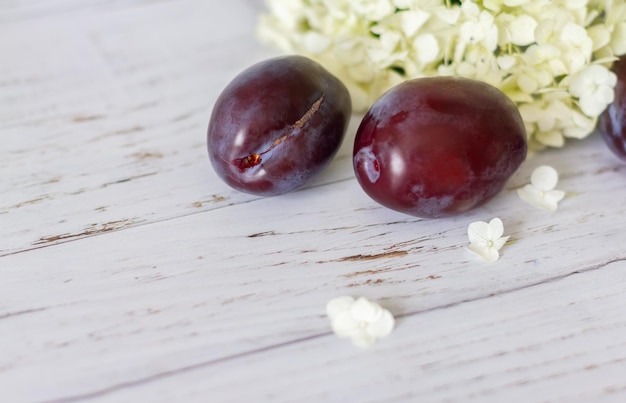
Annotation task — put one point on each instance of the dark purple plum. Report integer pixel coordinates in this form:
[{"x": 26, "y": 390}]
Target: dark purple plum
[
  {"x": 438, "y": 146},
  {"x": 277, "y": 124},
  {"x": 612, "y": 122}
]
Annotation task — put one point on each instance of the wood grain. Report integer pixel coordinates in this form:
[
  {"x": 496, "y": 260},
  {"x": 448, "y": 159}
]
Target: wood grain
[{"x": 129, "y": 272}]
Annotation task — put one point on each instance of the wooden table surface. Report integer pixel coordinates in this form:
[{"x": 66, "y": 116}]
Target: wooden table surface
[{"x": 130, "y": 273}]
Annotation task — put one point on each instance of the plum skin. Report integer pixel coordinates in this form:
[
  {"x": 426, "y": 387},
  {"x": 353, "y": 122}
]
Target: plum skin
[
  {"x": 277, "y": 124},
  {"x": 612, "y": 122},
  {"x": 438, "y": 146}
]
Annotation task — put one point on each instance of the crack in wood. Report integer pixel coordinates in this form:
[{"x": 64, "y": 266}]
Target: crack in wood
[
  {"x": 214, "y": 199},
  {"x": 368, "y": 282},
  {"x": 262, "y": 234},
  {"x": 389, "y": 270},
  {"x": 86, "y": 118},
  {"x": 20, "y": 313},
  {"x": 364, "y": 258},
  {"x": 130, "y": 130},
  {"x": 104, "y": 185},
  {"x": 237, "y": 298},
  {"x": 32, "y": 201},
  {"x": 185, "y": 116},
  {"x": 373, "y": 272},
  {"x": 55, "y": 179},
  {"x": 93, "y": 229},
  {"x": 147, "y": 155}
]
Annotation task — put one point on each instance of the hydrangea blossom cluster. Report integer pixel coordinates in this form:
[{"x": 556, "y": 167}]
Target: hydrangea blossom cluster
[{"x": 551, "y": 57}]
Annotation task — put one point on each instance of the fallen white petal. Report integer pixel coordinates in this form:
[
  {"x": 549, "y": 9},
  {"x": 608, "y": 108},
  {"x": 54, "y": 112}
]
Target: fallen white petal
[
  {"x": 487, "y": 254},
  {"x": 536, "y": 198},
  {"x": 344, "y": 325},
  {"x": 363, "y": 340},
  {"x": 544, "y": 178},
  {"x": 478, "y": 231},
  {"x": 499, "y": 243},
  {"x": 365, "y": 311},
  {"x": 554, "y": 196},
  {"x": 383, "y": 326},
  {"x": 496, "y": 228},
  {"x": 522, "y": 30},
  {"x": 338, "y": 305}
]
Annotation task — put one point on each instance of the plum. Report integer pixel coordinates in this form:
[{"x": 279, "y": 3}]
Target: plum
[
  {"x": 277, "y": 124},
  {"x": 612, "y": 122},
  {"x": 438, "y": 146}
]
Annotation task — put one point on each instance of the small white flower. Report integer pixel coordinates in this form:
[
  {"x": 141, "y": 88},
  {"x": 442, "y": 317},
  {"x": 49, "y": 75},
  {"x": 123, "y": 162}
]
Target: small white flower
[
  {"x": 373, "y": 10},
  {"x": 412, "y": 21},
  {"x": 518, "y": 30},
  {"x": 506, "y": 62},
  {"x": 361, "y": 320},
  {"x": 486, "y": 239},
  {"x": 618, "y": 39},
  {"x": 315, "y": 43},
  {"x": 426, "y": 48},
  {"x": 593, "y": 86},
  {"x": 540, "y": 192}
]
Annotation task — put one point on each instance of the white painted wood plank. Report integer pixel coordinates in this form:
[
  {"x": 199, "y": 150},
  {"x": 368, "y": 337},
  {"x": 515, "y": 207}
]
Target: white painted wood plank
[
  {"x": 569, "y": 347},
  {"x": 12, "y": 10},
  {"x": 81, "y": 67},
  {"x": 202, "y": 288},
  {"x": 100, "y": 110}
]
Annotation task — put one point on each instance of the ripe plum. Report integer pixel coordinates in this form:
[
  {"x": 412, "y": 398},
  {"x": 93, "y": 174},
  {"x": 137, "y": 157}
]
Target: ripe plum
[
  {"x": 612, "y": 122},
  {"x": 438, "y": 146},
  {"x": 277, "y": 124}
]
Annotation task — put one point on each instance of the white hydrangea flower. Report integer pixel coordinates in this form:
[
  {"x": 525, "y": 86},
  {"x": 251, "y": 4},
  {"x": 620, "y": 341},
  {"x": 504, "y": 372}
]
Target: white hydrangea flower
[
  {"x": 530, "y": 49},
  {"x": 593, "y": 86},
  {"x": 618, "y": 38},
  {"x": 486, "y": 239},
  {"x": 518, "y": 30},
  {"x": 541, "y": 192},
  {"x": 373, "y": 10},
  {"x": 360, "y": 320}
]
